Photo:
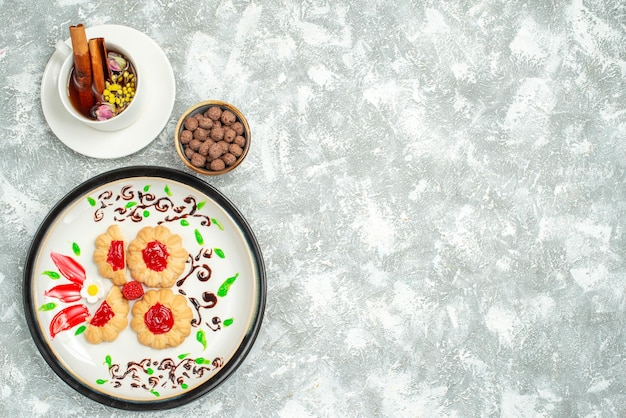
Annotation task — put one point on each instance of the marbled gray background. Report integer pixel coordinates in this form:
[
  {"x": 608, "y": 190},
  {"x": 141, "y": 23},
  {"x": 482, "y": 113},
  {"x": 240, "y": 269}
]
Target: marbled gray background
[{"x": 438, "y": 189}]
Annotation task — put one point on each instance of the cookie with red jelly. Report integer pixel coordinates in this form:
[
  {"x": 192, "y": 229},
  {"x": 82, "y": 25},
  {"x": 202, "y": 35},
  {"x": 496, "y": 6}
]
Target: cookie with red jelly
[
  {"x": 110, "y": 318},
  {"x": 110, "y": 255},
  {"x": 161, "y": 319},
  {"x": 156, "y": 257}
]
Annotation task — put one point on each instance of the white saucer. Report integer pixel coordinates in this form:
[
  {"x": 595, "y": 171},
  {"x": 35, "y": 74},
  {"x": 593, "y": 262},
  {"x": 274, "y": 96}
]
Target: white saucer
[{"x": 157, "y": 77}]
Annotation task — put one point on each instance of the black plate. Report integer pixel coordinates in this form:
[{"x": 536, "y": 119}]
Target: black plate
[{"x": 223, "y": 254}]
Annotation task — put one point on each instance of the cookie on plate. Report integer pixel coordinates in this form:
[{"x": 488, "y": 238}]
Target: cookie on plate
[
  {"x": 156, "y": 257},
  {"x": 109, "y": 319},
  {"x": 110, "y": 255},
  {"x": 161, "y": 319}
]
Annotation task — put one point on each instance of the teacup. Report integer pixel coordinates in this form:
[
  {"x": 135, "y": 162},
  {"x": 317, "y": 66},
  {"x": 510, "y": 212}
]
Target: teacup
[{"x": 120, "y": 121}]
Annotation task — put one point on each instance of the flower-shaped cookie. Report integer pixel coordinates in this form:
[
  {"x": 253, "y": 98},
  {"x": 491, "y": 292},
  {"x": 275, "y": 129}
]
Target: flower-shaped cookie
[
  {"x": 156, "y": 257},
  {"x": 161, "y": 319},
  {"x": 110, "y": 255},
  {"x": 110, "y": 318}
]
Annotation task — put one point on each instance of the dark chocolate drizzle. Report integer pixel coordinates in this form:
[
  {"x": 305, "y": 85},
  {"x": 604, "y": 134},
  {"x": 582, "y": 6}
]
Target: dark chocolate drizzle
[
  {"x": 132, "y": 204},
  {"x": 168, "y": 372},
  {"x": 202, "y": 272},
  {"x": 202, "y": 269}
]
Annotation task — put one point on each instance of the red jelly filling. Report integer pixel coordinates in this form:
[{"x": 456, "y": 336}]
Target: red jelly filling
[
  {"x": 115, "y": 256},
  {"x": 102, "y": 315},
  {"x": 155, "y": 256},
  {"x": 159, "y": 319}
]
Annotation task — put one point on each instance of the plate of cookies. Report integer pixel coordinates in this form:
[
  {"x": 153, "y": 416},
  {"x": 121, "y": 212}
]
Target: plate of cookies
[{"x": 144, "y": 288}]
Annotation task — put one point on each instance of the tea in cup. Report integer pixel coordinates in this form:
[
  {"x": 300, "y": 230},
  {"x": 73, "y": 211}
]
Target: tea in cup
[{"x": 99, "y": 83}]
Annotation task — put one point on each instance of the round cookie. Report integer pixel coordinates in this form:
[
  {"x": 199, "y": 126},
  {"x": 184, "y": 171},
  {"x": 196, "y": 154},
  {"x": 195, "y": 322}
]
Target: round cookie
[
  {"x": 161, "y": 319},
  {"x": 109, "y": 319},
  {"x": 156, "y": 257},
  {"x": 110, "y": 255}
]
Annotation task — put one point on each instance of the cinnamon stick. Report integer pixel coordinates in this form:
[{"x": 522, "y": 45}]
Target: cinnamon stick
[
  {"x": 99, "y": 67},
  {"x": 82, "y": 68}
]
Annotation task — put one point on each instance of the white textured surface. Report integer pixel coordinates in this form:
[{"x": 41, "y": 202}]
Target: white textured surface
[{"x": 438, "y": 189}]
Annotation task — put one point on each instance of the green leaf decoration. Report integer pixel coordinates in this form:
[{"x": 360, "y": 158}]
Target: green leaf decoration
[
  {"x": 47, "y": 306},
  {"x": 223, "y": 290},
  {"x": 52, "y": 274},
  {"x": 199, "y": 238},
  {"x": 184, "y": 385},
  {"x": 130, "y": 204},
  {"x": 155, "y": 393},
  {"x": 201, "y": 337},
  {"x": 219, "y": 252},
  {"x": 216, "y": 222},
  {"x": 80, "y": 330},
  {"x": 167, "y": 190},
  {"x": 228, "y": 322},
  {"x": 149, "y": 371},
  {"x": 76, "y": 249},
  {"x": 91, "y": 201},
  {"x": 201, "y": 205},
  {"x": 182, "y": 356},
  {"x": 108, "y": 361},
  {"x": 202, "y": 360},
  {"x": 146, "y": 213},
  {"x": 101, "y": 381},
  {"x": 184, "y": 222},
  {"x": 146, "y": 187}
]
